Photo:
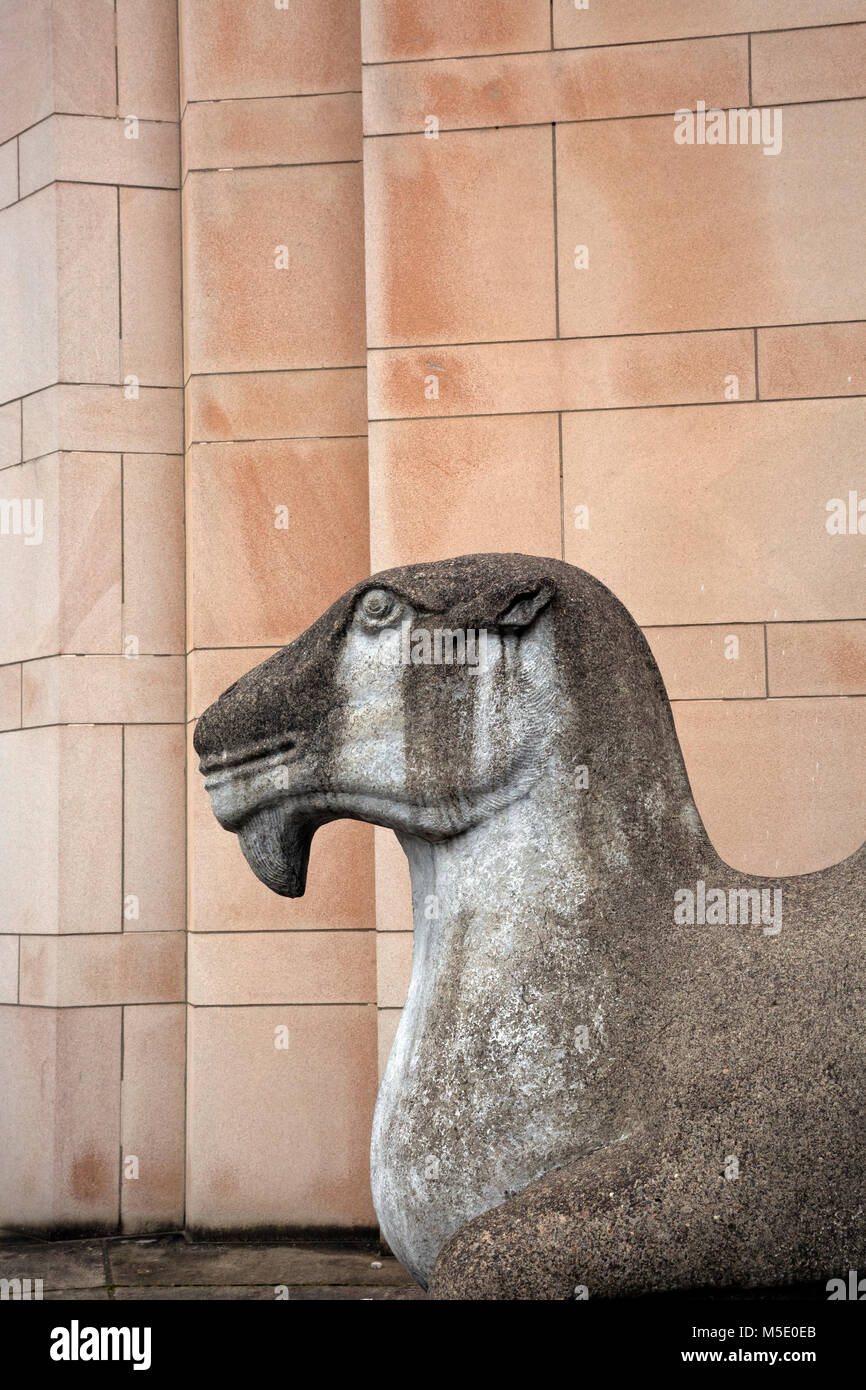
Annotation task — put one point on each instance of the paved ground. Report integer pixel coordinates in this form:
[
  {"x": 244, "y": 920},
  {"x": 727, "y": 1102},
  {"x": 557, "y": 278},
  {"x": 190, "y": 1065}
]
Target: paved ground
[{"x": 172, "y": 1267}]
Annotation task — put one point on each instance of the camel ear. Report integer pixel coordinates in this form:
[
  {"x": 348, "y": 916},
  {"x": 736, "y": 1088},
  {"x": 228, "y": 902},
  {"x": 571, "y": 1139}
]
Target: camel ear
[{"x": 524, "y": 608}]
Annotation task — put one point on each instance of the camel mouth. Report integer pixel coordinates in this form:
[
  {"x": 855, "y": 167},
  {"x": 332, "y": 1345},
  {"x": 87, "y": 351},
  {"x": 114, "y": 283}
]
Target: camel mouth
[
  {"x": 254, "y": 794},
  {"x": 213, "y": 764},
  {"x": 241, "y": 788}
]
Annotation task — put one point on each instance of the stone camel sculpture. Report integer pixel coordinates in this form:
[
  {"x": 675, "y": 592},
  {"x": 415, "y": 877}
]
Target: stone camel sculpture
[{"x": 622, "y": 1066}]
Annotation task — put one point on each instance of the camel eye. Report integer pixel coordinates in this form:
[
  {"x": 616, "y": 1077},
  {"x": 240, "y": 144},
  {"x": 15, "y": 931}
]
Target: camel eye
[{"x": 378, "y": 606}]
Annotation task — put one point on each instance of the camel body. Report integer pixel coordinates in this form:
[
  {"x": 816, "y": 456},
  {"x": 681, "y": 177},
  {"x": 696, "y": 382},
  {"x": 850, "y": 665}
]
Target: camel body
[{"x": 622, "y": 1065}]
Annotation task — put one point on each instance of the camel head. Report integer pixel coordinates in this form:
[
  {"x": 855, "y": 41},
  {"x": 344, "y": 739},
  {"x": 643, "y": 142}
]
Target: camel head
[{"x": 429, "y": 698}]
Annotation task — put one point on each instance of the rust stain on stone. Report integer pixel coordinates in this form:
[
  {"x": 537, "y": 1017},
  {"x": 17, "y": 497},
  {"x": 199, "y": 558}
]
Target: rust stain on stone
[{"x": 90, "y": 1178}]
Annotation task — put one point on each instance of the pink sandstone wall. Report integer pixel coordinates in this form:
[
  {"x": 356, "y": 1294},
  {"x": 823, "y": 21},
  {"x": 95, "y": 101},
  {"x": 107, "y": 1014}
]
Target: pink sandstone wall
[
  {"x": 92, "y": 630},
  {"x": 671, "y": 407},
  {"x": 281, "y": 1069}
]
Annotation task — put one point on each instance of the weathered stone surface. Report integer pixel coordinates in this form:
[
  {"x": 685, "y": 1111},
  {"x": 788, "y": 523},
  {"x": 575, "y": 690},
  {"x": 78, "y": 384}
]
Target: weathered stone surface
[
  {"x": 168, "y": 1261},
  {"x": 587, "y": 1090},
  {"x": 76, "y": 1296},
  {"x": 172, "y": 1267},
  {"x": 74, "y": 1264},
  {"x": 264, "y": 1293}
]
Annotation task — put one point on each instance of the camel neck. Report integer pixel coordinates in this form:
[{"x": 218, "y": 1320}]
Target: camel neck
[
  {"x": 544, "y": 854},
  {"x": 518, "y": 865}
]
